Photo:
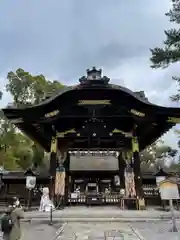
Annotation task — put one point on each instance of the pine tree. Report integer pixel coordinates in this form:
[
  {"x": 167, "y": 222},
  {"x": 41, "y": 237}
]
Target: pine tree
[{"x": 170, "y": 53}]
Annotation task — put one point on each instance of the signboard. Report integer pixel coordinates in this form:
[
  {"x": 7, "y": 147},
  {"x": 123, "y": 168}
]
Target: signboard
[
  {"x": 30, "y": 182},
  {"x": 168, "y": 190}
]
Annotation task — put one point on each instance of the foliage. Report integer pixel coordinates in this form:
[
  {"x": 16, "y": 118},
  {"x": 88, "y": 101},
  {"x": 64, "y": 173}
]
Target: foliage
[
  {"x": 157, "y": 155},
  {"x": 24, "y": 157},
  {"x": 175, "y": 165},
  {"x": 16, "y": 150},
  {"x": 11, "y": 144},
  {"x": 27, "y": 89},
  {"x": 7, "y": 138},
  {"x": 170, "y": 53},
  {"x": 38, "y": 155}
]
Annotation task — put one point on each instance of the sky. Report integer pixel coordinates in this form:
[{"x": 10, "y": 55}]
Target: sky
[{"x": 61, "y": 39}]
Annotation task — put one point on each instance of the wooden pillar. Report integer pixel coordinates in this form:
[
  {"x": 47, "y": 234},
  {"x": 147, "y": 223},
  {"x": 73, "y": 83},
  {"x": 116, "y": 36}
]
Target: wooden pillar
[
  {"x": 72, "y": 183},
  {"x": 136, "y": 165},
  {"x": 122, "y": 166},
  {"x": 53, "y": 165},
  {"x": 66, "y": 166}
]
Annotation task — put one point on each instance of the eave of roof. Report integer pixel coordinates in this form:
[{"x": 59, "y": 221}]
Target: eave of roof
[
  {"x": 136, "y": 95},
  {"x": 45, "y": 175},
  {"x": 17, "y": 115}
]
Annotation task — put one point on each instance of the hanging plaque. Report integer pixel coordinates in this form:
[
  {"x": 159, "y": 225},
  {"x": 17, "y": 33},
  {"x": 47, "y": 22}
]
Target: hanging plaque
[{"x": 30, "y": 182}]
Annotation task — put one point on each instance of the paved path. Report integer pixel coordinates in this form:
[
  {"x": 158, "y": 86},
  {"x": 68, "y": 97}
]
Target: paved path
[
  {"x": 100, "y": 231},
  {"x": 38, "y": 231},
  {"x": 100, "y": 213},
  {"x": 106, "y": 231},
  {"x": 83, "y": 231},
  {"x": 157, "y": 230}
]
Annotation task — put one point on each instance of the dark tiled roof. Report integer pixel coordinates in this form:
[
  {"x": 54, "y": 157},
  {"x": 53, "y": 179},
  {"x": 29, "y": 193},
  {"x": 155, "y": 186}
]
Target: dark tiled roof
[{"x": 21, "y": 175}]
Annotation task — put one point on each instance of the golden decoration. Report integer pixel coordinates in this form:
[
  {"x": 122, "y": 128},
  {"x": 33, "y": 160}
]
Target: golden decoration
[
  {"x": 51, "y": 114},
  {"x": 94, "y": 102},
  {"x": 173, "y": 120},
  {"x": 135, "y": 144},
  {"x": 127, "y": 134},
  {"x": 137, "y": 113},
  {"x": 62, "y": 134},
  {"x": 54, "y": 144}
]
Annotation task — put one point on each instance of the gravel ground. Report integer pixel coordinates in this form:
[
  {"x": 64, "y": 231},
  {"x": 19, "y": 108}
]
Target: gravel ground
[{"x": 99, "y": 231}]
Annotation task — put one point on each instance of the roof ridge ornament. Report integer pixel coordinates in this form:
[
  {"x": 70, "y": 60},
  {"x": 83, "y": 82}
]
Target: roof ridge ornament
[{"x": 94, "y": 76}]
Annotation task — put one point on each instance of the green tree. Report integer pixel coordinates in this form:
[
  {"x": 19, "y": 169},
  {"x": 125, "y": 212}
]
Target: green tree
[
  {"x": 27, "y": 89},
  {"x": 38, "y": 155},
  {"x": 10, "y": 144},
  {"x": 175, "y": 165},
  {"x": 7, "y": 135},
  {"x": 16, "y": 150},
  {"x": 170, "y": 53},
  {"x": 7, "y": 138},
  {"x": 24, "y": 157},
  {"x": 157, "y": 155}
]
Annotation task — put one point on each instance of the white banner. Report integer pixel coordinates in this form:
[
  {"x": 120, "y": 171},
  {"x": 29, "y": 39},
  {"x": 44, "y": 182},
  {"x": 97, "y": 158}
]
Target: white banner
[{"x": 30, "y": 182}]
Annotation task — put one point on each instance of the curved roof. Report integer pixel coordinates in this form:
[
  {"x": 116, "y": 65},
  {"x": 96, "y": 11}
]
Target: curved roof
[
  {"x": 64, "y": 112},
  {"x": 140, "y": 96},
  {"x": 47, "y": 104}
]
